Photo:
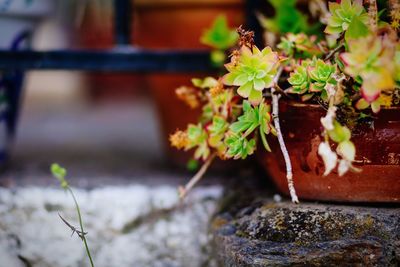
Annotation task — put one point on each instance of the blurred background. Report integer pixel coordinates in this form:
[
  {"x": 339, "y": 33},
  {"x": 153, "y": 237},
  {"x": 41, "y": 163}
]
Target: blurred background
[
  {"x": 110, "y": 130},
  {"x": 119, "y": 109}
]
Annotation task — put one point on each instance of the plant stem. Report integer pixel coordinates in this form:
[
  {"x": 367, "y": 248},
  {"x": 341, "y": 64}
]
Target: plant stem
[
  {"x": 196, "y": 178},
  {"x": 81, "y": 225},
  {"x": 373, "y": 14},
  {"x": 264, "y": 141},
  {"x": 333, "y": 52},
  {"x": 288, "y": 163}
]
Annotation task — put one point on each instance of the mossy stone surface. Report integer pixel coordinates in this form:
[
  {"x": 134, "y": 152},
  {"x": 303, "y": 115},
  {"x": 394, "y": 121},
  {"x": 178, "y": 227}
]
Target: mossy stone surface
[{"x": 261, "y": 232}]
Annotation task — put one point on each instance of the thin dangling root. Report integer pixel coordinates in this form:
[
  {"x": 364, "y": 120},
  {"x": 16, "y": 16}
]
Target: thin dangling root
[
  {"x": 288, "y": 163},
  {"x": 183, "y": 191}
]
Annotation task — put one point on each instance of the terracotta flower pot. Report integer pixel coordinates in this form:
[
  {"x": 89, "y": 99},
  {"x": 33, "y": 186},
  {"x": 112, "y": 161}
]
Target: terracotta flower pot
[{"x": 377, "y": 154}]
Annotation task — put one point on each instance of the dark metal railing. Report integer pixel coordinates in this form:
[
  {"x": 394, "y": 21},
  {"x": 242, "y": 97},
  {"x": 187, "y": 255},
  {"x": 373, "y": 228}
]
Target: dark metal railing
[
  {"x": 120, "y": 60},
  {"x": 123, "y": 57}
]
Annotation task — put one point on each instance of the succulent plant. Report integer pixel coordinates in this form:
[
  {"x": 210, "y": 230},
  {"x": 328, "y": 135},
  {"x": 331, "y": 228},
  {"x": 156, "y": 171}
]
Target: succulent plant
[
  {"x": 312, "y": 77},
  {"x": 371, "y": 59},
  {"x": 254, "y": 118},
  {"x": 348, "y": 16},
  {"x": 381, "y": 101},
  {"x": 353, "y": 72},
  {"x": 299, "y": 79},
  {"x": 239, "y": 147},
  {"x": 293, "y": 44},
  {"x": 197, "y": 137},
  {"x": 252, "y": 71},
  {"x": 321, "y": 74},
  {"x": 217, "y": 130}
]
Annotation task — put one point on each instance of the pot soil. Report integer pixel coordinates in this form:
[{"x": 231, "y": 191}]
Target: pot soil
[{"x": 377, "y": 154}]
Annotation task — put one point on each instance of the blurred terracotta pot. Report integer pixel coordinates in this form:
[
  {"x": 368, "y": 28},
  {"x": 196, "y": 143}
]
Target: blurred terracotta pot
[
  {"x": 177, "y": 24},
  {"x": 377, "y": 153},
  {"x": 172, "y": 113},
  {"x": 96, "y": 31}
]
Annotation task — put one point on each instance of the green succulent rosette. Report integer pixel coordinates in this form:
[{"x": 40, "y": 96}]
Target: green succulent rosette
[
  {"x": 252, "y": 71},
  {"x": 349, "y": 17}
]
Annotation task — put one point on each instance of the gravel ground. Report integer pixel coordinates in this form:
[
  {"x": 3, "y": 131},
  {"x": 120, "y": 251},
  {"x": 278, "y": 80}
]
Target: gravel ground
[{"x": 135, "y": 225}]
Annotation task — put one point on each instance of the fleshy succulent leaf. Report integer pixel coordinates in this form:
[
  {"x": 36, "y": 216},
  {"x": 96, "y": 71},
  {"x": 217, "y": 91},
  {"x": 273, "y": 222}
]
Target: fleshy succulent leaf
[
  {"x": 239, "y": 146},
  {"x": 347, "y": 16},
  {"x": 339, "y": 133},
  {"x": 356, "y": 29},
  {"x": 312, "y": 77},
  {"x": 347, "y": 150},
  {"x": 370, "y": 61}
]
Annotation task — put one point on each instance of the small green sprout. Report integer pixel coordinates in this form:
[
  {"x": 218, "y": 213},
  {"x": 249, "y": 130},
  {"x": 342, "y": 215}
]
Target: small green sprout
[{"x": 59, "y": 173}]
